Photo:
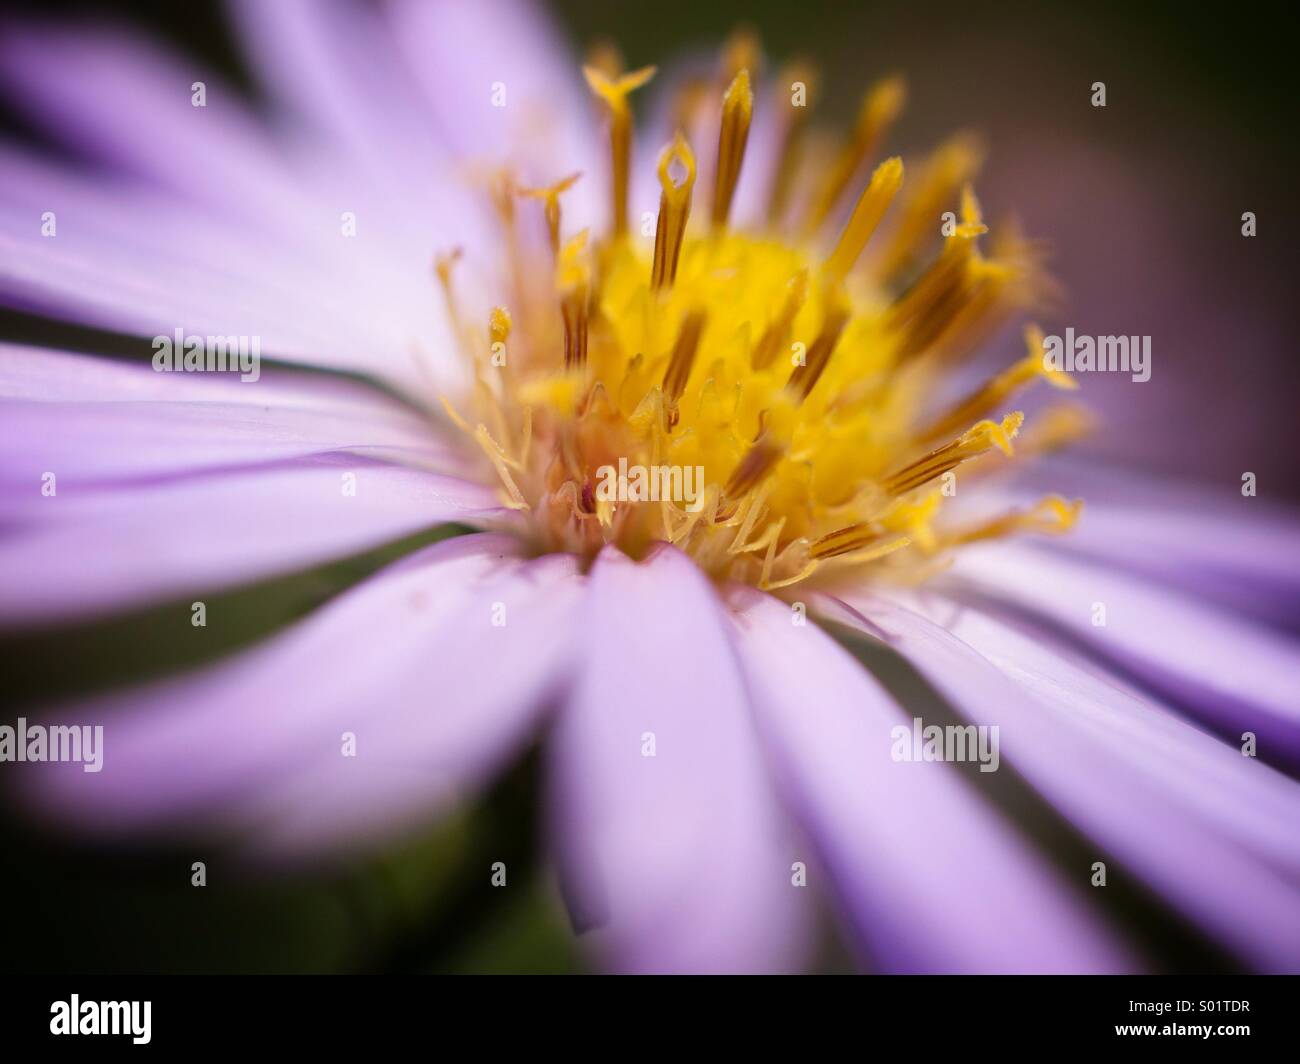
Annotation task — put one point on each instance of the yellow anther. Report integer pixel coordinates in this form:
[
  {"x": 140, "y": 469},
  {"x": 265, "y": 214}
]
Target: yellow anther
[
  {"x": 674, "y": 210},
  {"x": 979, "y": 439},
  {"x": 615, "y": 91},
  {"x": 1050, "y": 516},
  {"x": 499, "y": 325},
  {"x": 871, "y": 207},
  {"x": 550, "y": 197},
  {"x": 993, "y": 393},
  {"x": 737, "y": 110}
]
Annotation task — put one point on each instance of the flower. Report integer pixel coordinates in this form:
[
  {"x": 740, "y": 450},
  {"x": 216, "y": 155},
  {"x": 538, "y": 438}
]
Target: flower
[{"x": 750, "y": 697}]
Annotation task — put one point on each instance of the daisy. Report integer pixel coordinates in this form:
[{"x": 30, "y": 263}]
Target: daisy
[{"x": 477, "y": 291}]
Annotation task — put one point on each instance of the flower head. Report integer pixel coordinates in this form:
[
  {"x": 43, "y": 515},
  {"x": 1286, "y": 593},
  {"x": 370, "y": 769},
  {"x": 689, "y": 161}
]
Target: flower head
[{"x": 946, "y": 738}]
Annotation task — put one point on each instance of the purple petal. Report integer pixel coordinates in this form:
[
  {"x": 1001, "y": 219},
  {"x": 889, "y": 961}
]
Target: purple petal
[
  {"x": 1234, "y": 550},
  {"x": 90, "y": 420},
  {"x": 410, "y": 662},
  {"x": 130, "y": 105},
  {"x": 1096, "y": 755},
  {"x": 88, "y": 553},
  {"x": 931, "y": 879},
  {"x": 134, "y": 260},
  {"x": 545, "y": 127},
  {"x": 678, "y": 859},
  {"x": 1232, "y": 674}
]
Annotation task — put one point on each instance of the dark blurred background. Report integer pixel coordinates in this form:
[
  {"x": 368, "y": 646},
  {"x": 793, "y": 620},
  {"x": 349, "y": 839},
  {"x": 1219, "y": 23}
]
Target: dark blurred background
[{"x": 1141, "y": 204}]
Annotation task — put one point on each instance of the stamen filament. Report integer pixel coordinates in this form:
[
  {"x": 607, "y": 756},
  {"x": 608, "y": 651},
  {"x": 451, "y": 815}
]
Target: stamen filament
[
  {"x": 574, "y": 285},
  {"x": 680, "y": 364},
  {"x": 550, "y": 197},
  {"x": 615, "y": 93},
  {"x": 805, "y": 377},
  {"x": 1051, "y": 516},
  {"x": 777, "y": 333},
  {"x": 996, "y": 391}
]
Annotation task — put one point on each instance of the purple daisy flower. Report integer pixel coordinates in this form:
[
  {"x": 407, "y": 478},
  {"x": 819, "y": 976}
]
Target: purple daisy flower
[{"x": 740, "y": 539}]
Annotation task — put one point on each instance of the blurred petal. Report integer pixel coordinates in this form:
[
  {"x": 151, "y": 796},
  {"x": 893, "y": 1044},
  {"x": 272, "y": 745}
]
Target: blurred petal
[
  {"x": 1231, "y": 674},
  {"x": 1234, "y": 550},
  {"x": 677, "y": 859},
  {"x": 410, "y": 662},
  {"x": 929, "y": 876},
  {"x": 77, "y": 555},
  {"x": 130, "y": 105},
  {"x": 1095, "y": 754},
  {"x": 542, "y": 122},
  {"x": 92, "y": 420}
]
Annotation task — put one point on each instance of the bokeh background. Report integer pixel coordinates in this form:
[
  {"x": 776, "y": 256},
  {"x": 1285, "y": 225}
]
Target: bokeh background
[{"x": 1140, "y": 203}]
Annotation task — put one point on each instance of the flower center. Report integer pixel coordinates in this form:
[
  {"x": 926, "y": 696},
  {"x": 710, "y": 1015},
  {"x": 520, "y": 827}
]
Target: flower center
[{"x": 761, "y": 397}]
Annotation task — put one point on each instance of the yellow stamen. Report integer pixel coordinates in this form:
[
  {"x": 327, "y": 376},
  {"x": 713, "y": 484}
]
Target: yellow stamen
[
  {"x": 679, "y": 365},
  {"x": 879, "y": 109},
  {"x": 854, "y": 538},
  {"x": 758, "y": 462},
  {"x": 1050, "y": 516},
  {"x": 871, "y": 207},
  {"x": 574, "y": 282},
  {"x": 790, "y": 145},
  {"x": 950, "y": 168},
  {"x": 674, "y": 210},
  {"x": 805, "y": 377},
  {"x": 977, "y": 440},
  {"x": 993, "y": 393},
  {"x": 615, "y": 93},
  {"x": 550, "y": 197},
  {"x": 737, "y": 110},
  {"x": 777, "y": 333}
]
